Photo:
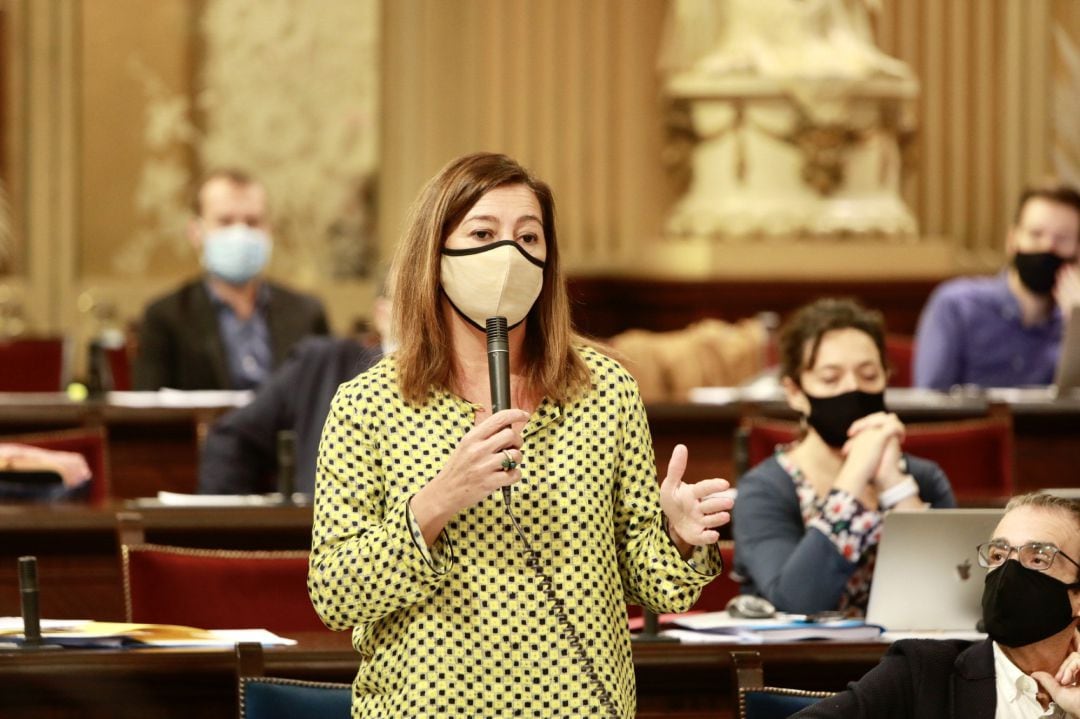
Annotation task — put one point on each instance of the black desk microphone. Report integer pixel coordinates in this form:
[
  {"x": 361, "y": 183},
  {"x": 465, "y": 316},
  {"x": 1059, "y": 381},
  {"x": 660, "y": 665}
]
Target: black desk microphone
[
  {"x": 498, "y": 351},
  {"x": 28, "y": 592}
]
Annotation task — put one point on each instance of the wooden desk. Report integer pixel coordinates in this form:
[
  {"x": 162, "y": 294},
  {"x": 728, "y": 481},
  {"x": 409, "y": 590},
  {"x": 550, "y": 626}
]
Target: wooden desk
[
  {"x": 1046, "y": 433},
  {"x": 156, "y": 447},
  {"x": 78, "y": 558},
  {"x": 152, "y": 447},
  {"x": 673, "y": 680}
]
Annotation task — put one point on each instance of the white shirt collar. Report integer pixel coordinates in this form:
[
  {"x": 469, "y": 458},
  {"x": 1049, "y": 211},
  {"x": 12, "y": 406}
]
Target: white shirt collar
[{"x": 1016, "y": 691}]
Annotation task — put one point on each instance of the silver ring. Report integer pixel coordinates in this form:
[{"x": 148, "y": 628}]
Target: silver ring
[{"x": 508, "y": 463}]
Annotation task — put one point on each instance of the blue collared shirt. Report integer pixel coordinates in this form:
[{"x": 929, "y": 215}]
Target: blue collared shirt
[
  {"x": 248, "y": 355},
  {"x": 971, "y": 332}
]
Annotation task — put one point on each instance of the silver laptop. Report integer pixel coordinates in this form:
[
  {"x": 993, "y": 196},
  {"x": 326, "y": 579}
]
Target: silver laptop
[
  {"x": 1067, "y": 377},
  {"x": 927, "y": 575}
]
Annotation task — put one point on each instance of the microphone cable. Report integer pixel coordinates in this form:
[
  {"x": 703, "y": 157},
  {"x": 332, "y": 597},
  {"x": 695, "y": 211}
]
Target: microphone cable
[
  {"x": 498, "y": 349},
  {"x": 562, "y": 617}
]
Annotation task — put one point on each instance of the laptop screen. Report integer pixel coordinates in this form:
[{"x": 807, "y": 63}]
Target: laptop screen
[{"x": 927, "y": 575}]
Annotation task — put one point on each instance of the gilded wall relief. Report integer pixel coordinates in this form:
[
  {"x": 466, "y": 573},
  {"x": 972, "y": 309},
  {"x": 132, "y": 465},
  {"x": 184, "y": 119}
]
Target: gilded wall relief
[
  {"x": 797, "y": 121},
  {"x": 286, "y": 90},
  {"x": 7, "y": 233},
  {"x": 1065, "y": 106}
]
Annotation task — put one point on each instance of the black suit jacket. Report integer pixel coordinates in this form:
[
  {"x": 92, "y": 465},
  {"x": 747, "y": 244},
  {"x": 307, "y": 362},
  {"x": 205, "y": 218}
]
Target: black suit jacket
[
  {"x": 920, "y": 679},
  {"x": 180, "y": 345},
  {"x": 240, "y": 452}
]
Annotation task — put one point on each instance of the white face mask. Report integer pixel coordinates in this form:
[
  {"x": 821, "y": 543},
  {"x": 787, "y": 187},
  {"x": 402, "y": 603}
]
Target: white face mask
[
  {"x": 236, "y": 253},
  {"x": 498, "y": 280}
]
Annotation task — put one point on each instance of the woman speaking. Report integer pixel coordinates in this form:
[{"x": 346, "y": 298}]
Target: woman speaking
[{"x": 467, "y": 601}]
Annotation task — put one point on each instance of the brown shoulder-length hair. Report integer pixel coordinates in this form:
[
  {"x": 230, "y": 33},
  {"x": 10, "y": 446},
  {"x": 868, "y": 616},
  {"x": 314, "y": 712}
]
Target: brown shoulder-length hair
[{"x": 424, "y": 357}]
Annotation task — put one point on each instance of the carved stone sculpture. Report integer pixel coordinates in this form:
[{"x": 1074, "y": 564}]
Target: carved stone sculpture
[{"x": 787, "y": 119}]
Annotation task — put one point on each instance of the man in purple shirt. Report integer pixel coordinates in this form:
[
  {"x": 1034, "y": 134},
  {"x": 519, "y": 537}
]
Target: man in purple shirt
[{"x": 1005, "y": 330}]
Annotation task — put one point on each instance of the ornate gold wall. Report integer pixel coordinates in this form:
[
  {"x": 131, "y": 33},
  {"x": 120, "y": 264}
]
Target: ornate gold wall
[{"x": 569, "y": 87}]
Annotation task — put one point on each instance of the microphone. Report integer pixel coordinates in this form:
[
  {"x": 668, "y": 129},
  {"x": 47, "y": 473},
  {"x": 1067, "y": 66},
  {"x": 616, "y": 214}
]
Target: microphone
[
  {"x": 498, "y": 351},
  {"x": 286, "y": 459},
  {"x": 28, "y": 591}
]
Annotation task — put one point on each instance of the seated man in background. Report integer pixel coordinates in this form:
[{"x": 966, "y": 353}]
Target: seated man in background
[
  {"x": 230, "y": 328},
  {"x": 1030, "y": 665},
  {"x": 240, "y": 452},
  {"x": 1006, "y": 330}
]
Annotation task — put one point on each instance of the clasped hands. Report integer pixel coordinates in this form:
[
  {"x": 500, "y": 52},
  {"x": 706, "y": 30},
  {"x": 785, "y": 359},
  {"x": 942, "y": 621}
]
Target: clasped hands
[
  {"x": 872, "y": 453},
  {"x": 694, "y": 512}
]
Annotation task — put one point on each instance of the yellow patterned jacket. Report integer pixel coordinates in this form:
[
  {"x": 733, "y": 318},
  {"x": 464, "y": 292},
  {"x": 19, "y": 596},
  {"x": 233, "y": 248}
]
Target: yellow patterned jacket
[{"x": 464, "y": 628}]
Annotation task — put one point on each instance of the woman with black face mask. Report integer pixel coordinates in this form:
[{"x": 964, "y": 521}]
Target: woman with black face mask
[
  {"x": 1030, "y": 664},
  {"x": 809, "y": 517}
]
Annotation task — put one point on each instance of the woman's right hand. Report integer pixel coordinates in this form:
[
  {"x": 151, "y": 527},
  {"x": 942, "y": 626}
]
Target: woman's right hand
[{"x": 473, "y": 472}]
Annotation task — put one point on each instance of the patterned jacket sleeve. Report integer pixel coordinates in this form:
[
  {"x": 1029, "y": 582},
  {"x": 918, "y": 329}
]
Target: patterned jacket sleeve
[
  {"x": 653, "y": 572},
  {"x": 367, "y": 559}
]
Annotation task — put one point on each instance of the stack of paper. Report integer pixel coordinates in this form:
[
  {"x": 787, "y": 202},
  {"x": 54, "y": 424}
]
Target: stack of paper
[
  {"x": 710, "y": 627},
  {"x": 89, "y": 634}
]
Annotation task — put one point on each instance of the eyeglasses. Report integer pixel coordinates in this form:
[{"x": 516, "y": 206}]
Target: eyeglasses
[{"x": 1033, "y": 555}]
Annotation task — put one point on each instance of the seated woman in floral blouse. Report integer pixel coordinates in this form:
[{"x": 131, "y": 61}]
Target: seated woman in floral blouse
[{"x": 809, "y": 517}]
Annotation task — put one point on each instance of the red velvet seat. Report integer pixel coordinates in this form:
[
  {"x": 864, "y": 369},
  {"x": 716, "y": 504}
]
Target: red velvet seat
[
  {"x": 119, "y": 361},
  {"x": 900, "y": 350},
  {"x": 976, "y": 454},
  {"x": 33, "y": 364},
  {"x": 216, "y": 588},
  {"x": 91, "y": 443}
]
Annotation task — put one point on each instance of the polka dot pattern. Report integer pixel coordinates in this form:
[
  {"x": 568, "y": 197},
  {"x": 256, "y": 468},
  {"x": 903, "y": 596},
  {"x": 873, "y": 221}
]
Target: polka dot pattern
[{"x": 462, "y": 629}]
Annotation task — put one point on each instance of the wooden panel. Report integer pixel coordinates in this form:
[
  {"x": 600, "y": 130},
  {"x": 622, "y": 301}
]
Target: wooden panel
[
  {"x": 78, "y": 558},
  {"x": 686, "y": 681},
  {"x": 605, "y": 306}
]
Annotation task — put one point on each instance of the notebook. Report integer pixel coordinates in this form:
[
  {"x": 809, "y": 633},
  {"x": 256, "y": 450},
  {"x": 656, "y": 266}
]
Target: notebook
[
  {"x": 927, "y": 576},
  {"x": 1067, "y": 377}
]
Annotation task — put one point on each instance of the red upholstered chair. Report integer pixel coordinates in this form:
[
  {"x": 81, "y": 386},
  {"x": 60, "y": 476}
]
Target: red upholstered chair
[
  {"x": 215, "y": 588},
  {"x": 756, "y": 439},
  {"x": 900, "y": 351},
  {"x": 975, "y": 454},
  {"x": 33, "y": 364},
  {"x": 119, "y": 361},
  {"x": 91, "y": 443}
]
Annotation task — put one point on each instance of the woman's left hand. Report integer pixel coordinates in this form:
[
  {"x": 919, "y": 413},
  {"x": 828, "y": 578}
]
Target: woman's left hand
[{"x": 694, "y": 511}]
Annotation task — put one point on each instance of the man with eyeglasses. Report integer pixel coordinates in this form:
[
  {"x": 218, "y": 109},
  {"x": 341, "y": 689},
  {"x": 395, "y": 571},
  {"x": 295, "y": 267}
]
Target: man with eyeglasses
[{"x": 1030, "y": 664}]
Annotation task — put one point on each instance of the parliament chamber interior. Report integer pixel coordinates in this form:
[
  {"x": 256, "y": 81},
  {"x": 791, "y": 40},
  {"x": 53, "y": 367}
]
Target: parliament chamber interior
[{"x": 206, "y": 214}]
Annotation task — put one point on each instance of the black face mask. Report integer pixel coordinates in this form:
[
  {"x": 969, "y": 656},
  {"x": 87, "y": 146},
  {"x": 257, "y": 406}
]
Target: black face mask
[
  {"x": 1038, "y": 270},
  {"x": 832, "y": 416},
  {"x": 1022, "y": 606}
]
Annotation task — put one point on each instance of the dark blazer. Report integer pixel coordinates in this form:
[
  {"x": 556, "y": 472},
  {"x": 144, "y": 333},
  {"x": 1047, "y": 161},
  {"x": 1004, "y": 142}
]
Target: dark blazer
[
  {"x": 240, "y": 452},
  {"x": 920, "y": 679},
  {"x": 180, "y": 345}
]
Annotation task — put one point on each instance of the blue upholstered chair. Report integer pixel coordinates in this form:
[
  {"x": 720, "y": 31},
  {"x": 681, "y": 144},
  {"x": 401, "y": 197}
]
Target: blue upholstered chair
[
  {"x": 756, "y": 701},
  {"x": 264, "y": 697}
]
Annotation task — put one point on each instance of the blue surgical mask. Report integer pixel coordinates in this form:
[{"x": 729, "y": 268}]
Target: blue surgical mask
[{"x": 236, "y": 253}]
